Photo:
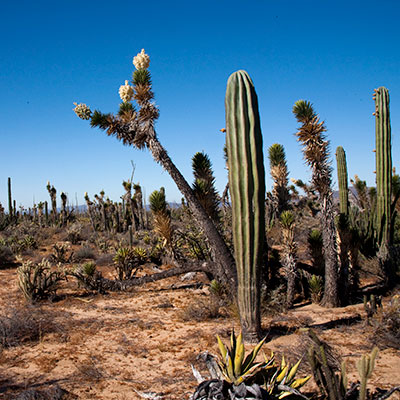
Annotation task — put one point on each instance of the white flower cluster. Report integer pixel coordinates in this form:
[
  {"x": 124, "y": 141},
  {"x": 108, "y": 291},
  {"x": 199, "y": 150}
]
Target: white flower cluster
[
  {"x": 142, "y": 60},
  {"x": 82, "y": 111},
  {"x": 126, "y": 92}
]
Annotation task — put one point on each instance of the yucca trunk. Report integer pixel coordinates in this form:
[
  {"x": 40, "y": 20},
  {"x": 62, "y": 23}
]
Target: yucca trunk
[{"x": 330, "y": 298}]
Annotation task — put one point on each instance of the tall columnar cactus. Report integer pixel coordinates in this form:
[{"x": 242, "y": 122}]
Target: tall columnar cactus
[
  {"x": 10, "y": 205},
  {"x": 383, "y": 163},
  {"x": 342, "y": 180},
  {"x": 247, "y": 187}
]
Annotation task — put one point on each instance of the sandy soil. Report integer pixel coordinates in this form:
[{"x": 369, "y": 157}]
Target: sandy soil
[{"x": 116, "y": 345}]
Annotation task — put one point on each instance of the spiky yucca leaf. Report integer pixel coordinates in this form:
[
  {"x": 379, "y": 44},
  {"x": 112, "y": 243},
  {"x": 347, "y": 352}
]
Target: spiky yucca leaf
[
  {"x": 163, "y": 227},
  {"x": 303, "y": 111},
  {"x": 125, "y": 107},
  {"x": 287, "y": 219},
  {"x": 141, "y": 77},
  {"x": 276, "y": 155},
  {"x": 100, "y": 120},
  {"x": 204, "y": 185},
  {"x": 157, "y": 201},
  {"x": 89, "y": 268}
]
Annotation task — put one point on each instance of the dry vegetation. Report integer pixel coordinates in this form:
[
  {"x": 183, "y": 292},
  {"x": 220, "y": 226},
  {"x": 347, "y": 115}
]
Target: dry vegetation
[{"x": 78, "y": 343}]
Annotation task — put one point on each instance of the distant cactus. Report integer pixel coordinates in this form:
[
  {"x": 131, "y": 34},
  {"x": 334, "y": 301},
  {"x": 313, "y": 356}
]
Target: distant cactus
[
  {"x": 10, "y": 204},
  {"x": 247, "y": 188},
  {"x": 342, "y": 180}
]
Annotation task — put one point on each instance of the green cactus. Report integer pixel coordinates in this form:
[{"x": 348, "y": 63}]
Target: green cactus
[
  {"x": 365, "y": 366},
  {"x": 383, "y": 163},
  {"x": 10, "y": 205},
  {"x": 247, "y": 187},
  {"x": 342, "y": 180}
]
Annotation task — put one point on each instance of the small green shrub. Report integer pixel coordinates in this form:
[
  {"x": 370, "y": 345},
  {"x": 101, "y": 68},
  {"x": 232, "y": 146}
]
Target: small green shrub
[{"x": 316, "y": 287}]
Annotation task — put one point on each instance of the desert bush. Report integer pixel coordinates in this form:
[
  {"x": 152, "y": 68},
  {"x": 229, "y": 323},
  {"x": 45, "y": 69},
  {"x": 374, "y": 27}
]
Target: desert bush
[
  {"x": 21, "y": 325},
  {"x": 6, "y": 255},
  {"x": 316, "y": 288},
  {"x": 61, "y": 253},
  {"x": 202, "y": 310},
  {"x": 74, "y": 233},
  {"x": 385, "y": 325},
  {"x": 273, "y": 300},
  {"x": 87, "y": 276},
  {"x": 37, "y": 281},
  {"x": 84, "y": 252},
  {"x": 128, "y": 261}
]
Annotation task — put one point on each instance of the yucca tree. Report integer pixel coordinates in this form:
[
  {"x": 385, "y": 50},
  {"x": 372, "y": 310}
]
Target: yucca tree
[
  {"x": 53, "y": 197},
  {"x": 162, "y": 223},
  {"x": 138, "y": 197},
  {"x": 204, "y": 185},
  {"x": 279, "y": 173},
  {"x": 135, "y": 126},
  {"x": 289, "y": 249},
  {"x": 311, "y": 134}
]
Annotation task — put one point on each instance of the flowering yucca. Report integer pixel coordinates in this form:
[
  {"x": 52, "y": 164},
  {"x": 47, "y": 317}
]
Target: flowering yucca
[
  {"x": 142, "y": 60},
  {"x": 126, "y": 92},
  {"x": 82, "y": 111}
]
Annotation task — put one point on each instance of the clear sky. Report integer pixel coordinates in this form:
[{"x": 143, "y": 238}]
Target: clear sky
[{"x": 332, "y": 53}]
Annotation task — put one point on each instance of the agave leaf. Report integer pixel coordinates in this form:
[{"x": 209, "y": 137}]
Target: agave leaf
[
  {"x": 239, "y": 356},
  {"x": 300, "y": 382},
  {"x": 233, "y": 342},
  {"x": 283, "y": 362},
  {"x": 222, "y": 348},
  {"x": 229, "y": 368},
  {"x": 284, "y": 394},
  {"x": 293, "y": 371},
  {"x": 282, "y": 374},
  {"x": 250, "y": 358},
  {"x": 254, "y": 367}
]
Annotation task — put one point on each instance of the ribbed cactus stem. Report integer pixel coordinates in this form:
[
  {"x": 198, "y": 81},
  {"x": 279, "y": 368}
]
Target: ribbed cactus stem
[
  {"x": 383, "y": 163},
  {"x": 342, "y": 180},
  {"x": 247, "y": 187},
  {"x": 10, "y": 204}
]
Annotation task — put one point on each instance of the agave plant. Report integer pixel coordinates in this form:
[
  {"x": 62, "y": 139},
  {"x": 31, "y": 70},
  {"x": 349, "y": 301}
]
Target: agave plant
[
  {"x": 237, "y": 376},
  {"x": 235, "y": 368}
]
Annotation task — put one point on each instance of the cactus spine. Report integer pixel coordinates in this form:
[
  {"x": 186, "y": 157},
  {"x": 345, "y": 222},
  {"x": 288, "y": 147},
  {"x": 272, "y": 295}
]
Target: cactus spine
[
  {"x": 247, "y": 187},
  {"x": 342, "y": 180},
  {"x": 383, "y": 163}
]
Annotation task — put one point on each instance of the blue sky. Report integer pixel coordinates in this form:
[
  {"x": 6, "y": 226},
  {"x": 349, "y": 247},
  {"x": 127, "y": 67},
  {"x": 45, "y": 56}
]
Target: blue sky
[{"x": 332, "y": 53}]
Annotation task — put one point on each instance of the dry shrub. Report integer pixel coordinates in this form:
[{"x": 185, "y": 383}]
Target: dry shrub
[
  {"x": 90, "y": 370},
  {"x": 29, "y": 324},
  {"x": 202, "y": 310},
  {"x": 386, "y": 325},
  {"x": 51, "y": 393},
  {"x": 84, "y": 253}
]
